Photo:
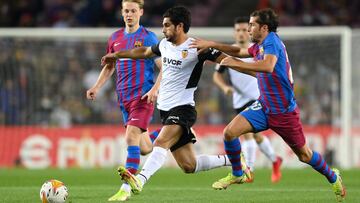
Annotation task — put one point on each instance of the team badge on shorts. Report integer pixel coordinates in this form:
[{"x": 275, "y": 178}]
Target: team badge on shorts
[
  {"x": 184, "y": 53},
  {"x": 138, "y": 44}
]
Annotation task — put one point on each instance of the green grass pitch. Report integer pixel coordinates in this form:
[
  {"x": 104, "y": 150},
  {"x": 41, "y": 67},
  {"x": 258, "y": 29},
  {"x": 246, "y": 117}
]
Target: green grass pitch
[{"x": 171, "y": 185}]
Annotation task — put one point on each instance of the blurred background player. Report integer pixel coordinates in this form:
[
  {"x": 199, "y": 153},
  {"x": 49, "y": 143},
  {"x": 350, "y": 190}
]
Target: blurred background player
[
  {"x": 276, "y": 107},
  {"x": 244, "y": 91},
  {"x": 135, "y": 81},
  {"x": 181, "y": 71}
]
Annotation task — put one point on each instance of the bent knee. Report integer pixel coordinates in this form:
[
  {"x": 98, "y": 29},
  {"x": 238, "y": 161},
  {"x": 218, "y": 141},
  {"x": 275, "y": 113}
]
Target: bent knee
[
  {"x": 230, "y": 133},
  {"x": 144, "y": 151},
  {"x": 188, "y": 168}
]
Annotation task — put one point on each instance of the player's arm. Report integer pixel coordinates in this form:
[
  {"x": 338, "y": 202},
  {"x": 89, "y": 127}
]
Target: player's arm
[
  {"x": 105, "y": 74},
  {"x": 266, "y": 65},
  {"x": 236, "y": 51},
  {"x": 136, "y": 53},
  {"x": 219, "y": 80},
  {"x": 152, "y": 94}
]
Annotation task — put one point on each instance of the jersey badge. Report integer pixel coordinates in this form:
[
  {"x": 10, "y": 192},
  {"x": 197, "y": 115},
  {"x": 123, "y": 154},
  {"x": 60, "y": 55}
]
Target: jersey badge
[
  {"x": 261, "y": 50},
  {"x": 138, "y": 44},
  {"x": 184, "y": 53}
]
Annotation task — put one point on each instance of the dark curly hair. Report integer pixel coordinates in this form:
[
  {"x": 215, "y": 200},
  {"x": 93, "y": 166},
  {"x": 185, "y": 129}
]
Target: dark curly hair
[
  {"x": 179, "y": 14},
  {"x": 267, "y": 17}
]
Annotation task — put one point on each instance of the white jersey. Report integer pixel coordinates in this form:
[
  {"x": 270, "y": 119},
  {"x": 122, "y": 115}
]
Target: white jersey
[
  {"x": 181, "y": 71},
  {"x": 245, "y": 86}
]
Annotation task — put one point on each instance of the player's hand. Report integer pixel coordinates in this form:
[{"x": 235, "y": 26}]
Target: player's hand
[
  {"x": 200, "y": 44},
  {"x": 228, "y": 90},
  {"x": 229, "y": 61},
  {"x": 91, "y": 93},
  {"x": 108, "y": 59},
  {"x": 151, "y": 96}
]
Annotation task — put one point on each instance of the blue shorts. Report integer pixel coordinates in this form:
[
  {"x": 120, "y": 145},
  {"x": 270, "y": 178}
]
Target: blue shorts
[
  {"x": 256, "y": 117},
  {"x": 287, "y": 125}
]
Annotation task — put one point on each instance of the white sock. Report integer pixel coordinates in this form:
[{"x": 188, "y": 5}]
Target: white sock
[
  {"x": 207, "y": 162},
  {"x": 248, "y": 147},
  {"x": 126, "y": 187},
  {"x": 153, "y": 163},
  {"x": 266, "y": 148}
]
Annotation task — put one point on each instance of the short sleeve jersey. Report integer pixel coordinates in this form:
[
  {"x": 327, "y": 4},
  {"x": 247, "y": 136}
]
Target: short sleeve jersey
[
  {"x": 134, "y": 77},
  {"x": 181, "y": 71},
  {"x": 276, "y": 88}
]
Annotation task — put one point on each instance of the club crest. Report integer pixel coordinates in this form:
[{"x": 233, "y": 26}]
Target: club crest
[
  {"x": 138, "y": 44},
  {"x": 261, "y": 50},
  {"x": 184, "y": 53}
]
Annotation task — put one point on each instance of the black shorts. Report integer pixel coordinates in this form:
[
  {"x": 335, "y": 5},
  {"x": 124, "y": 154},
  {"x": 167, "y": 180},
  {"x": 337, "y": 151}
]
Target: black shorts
[
  {"x": 239, "y": 110},
  {"x": 185, "y": 116}
]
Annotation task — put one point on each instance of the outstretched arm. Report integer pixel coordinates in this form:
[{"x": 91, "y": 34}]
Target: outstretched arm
[
  {"x": 136, "y": 53},
  {"x": 236, "y": 51},
  {"x": 267, "y": 65}
]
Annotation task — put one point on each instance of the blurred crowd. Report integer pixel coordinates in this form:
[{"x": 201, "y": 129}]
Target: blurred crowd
[
  {"x": 43, "y": 82},
  {"x": 315, "y": 12},
  {"x": 105, "y": 13}
]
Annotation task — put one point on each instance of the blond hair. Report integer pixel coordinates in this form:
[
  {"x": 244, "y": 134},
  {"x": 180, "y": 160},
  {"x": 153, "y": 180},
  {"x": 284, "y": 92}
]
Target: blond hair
[{"x": 139, "y": 2}]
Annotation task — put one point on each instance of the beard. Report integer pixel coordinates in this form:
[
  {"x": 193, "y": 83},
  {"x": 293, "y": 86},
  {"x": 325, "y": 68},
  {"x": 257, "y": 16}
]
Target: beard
[{"x": 170, "y": 38}]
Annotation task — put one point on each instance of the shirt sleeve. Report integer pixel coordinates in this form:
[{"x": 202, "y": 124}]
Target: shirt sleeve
[
  {"x": 156, "y": 49},
  {"x": 109, "y": 48},
  {"x": 270, "y": 47},
  {"x": 211, "y": 55}
]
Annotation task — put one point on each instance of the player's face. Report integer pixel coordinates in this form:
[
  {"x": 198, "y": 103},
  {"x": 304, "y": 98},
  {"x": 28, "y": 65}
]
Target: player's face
[
  {"x": 169, "y": 30},
  {"x": 131, "y": 13},
  {"x": 241, "y": 33},
  {"x": 254, "y": 30}
]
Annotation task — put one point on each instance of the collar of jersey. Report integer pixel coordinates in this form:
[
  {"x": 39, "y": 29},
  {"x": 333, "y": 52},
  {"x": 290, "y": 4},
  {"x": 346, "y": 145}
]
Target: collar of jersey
[{"x": 133, "y": 32}]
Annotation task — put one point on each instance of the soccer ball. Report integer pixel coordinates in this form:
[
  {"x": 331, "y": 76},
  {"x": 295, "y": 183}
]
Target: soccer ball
[{"x": 53, "y": 191}]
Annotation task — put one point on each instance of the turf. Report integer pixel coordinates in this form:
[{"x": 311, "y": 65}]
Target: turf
[{"x": 171, "y": 185}]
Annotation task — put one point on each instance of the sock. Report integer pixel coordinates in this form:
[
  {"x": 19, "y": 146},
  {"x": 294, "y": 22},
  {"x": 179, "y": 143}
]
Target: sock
[
  {"x": 233, "y": 149},
  {"x": 266, "y": 148},
  {"x": 319, "y": 164},
  {"x": 126, "y": 187},
  {"x": 249, "y": 150},
  {"x": 153, "y": 163},
  {"x": 207, "y": 162},
  {"x": 154, "y": 134},
  {"x": 133, "y": 159}
]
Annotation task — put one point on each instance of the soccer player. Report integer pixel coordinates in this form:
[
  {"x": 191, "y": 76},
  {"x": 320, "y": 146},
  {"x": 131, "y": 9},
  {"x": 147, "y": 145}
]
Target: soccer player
[
  {"x": 181, "y": 70},
  {"x": 134, "y": 83},
  {"x": 276, "y": 107},
  {"x": 244, "y": 91}
]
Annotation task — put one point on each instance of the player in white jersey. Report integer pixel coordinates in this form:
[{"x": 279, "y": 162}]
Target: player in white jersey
[
  {"x": 244, "y": 90},
  {"x": 181, "y": 70}
]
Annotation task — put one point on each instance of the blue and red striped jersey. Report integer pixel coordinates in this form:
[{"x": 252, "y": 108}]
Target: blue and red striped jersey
[
  {"x": 276, "y": 88},
  {"x": 134, "y": 77}
]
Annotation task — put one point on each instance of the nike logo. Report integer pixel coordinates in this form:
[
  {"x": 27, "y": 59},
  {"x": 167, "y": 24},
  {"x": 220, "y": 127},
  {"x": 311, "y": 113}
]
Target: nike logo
[
  {"x": 134, "y": 119},
  {"x": 116, "y": 44}
]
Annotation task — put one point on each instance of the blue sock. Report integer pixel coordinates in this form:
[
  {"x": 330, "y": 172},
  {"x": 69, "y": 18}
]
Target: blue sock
[
  {"x": 319, "y": 164},
  {"x": 233, "y": 149},
  {"x": 153, "y": 135},
  {"x": 133, "y": 159}
]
